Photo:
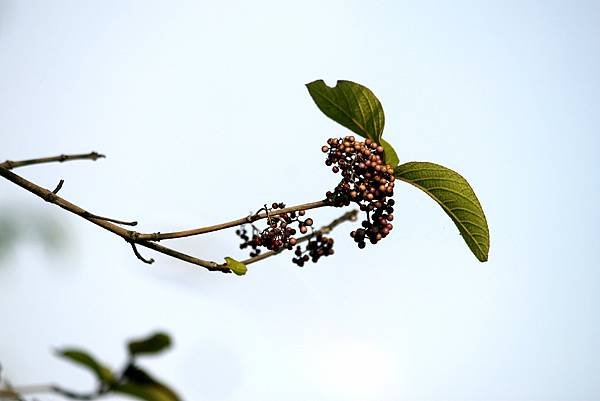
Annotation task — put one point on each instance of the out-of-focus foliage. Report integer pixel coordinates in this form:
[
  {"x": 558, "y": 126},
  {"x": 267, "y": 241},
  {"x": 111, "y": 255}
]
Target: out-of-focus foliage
[
  {"x": 156, "y": 343},
  {"x": 19, "y": 225},
  {"x": 83, "y": 358},
  {"x": 131, "y": 380}
]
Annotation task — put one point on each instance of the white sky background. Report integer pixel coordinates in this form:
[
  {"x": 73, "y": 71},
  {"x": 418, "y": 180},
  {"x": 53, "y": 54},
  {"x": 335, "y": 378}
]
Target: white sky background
[{"x": 201, "y": 110}]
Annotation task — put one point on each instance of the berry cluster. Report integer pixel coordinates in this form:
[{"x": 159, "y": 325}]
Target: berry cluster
[
  {"x": 279, "y": 233},
  {"x": 317, "y": 247},
  {"x": 366, "y": 181}
]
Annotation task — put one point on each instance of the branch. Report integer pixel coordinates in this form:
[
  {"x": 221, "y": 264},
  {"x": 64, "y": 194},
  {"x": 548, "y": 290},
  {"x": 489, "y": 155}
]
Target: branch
[
  {"x": 248, "y": 219},
  {"x": 9, "y": 164},
  {"x": 128, "y": 235},
  {"x": 135, "y": 238},
  {"x": 17, "y": 392}
]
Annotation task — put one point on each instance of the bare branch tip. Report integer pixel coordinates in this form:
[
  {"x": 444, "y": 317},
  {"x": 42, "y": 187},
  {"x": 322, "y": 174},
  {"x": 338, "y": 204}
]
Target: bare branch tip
[
  {"x": 95, "y": 155},
  {"x": 58, "y": 187},
  {"x": 139, "y": 256},
  {"x": 89, "y": 215}
]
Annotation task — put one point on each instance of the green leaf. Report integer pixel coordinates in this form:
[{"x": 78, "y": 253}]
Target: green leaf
[
  {"x": 454, "y": 194},
  {"x": 351, "y": 105},
  {"x": 149, "y": 392},
  {"x": 83, "y": 358},
  {"x": 138, "y": 383},
  {"x": 237, "y": 267},
  {"x": 389, "y": 154},
  {"x": 153, "y": 344}
]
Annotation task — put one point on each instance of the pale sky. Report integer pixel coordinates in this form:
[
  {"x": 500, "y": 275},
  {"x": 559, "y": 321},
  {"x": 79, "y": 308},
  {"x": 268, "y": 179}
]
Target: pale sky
[{"x": 202, "y": 111}]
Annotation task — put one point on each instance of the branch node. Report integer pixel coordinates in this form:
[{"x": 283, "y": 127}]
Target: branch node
[
  {"x": 8, "y": 164},
  {"x": 49, "y": 197},
  {"x": 95, "y": 156}
]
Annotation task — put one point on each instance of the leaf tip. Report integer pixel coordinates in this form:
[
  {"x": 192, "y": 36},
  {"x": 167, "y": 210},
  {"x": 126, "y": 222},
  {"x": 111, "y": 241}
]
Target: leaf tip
[
  {"x": 156, "y": 342},
  {"x": 454, "y": 194}
]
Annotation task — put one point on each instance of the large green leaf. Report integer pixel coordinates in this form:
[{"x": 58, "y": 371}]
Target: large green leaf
[
  {"x": 153, "y": 344},
  {"x": 236, "y": 266},
  {"x": 83, "y": 358},
  {"x": 389, "y": 154},
  {"x": 454, "y": 194},
  {"x": 350, "y": 104}
]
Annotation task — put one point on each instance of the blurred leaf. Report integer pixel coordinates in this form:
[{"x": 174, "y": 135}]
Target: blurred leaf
[
  {"x": 83, "y": 358},
  {"x": 389, "y": 154},
  {"x": 138, "y": 383},
  {"x": 155, "y": 343},
  {"x": 148, "y": 392},
  {"x": 51, "y": 234},
  {"x": 454, "y": 194},
  {"x": 138, "y": 375},
  {"x": 18, "y": 225},
  {"x": 351, "y": 105},
  {"x": 237, "y": 267},
  {"x": 9, "y": 233}
]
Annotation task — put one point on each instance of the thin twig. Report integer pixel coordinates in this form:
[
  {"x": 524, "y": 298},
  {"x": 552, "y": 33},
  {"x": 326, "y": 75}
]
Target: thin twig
[
  {"x": 128, "y": 235},
  {"x": 139, "y": 256},
  {"x": 58, "y": 187},
  {"x": 121, "y": 222},
  {"x": 17, "y": 392},
  {"x": 147, "y": 240},
  {"x": 9, "y": 164},
  {"x": 212, "y": 266},
  {"x": 248, "y": 219}
]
